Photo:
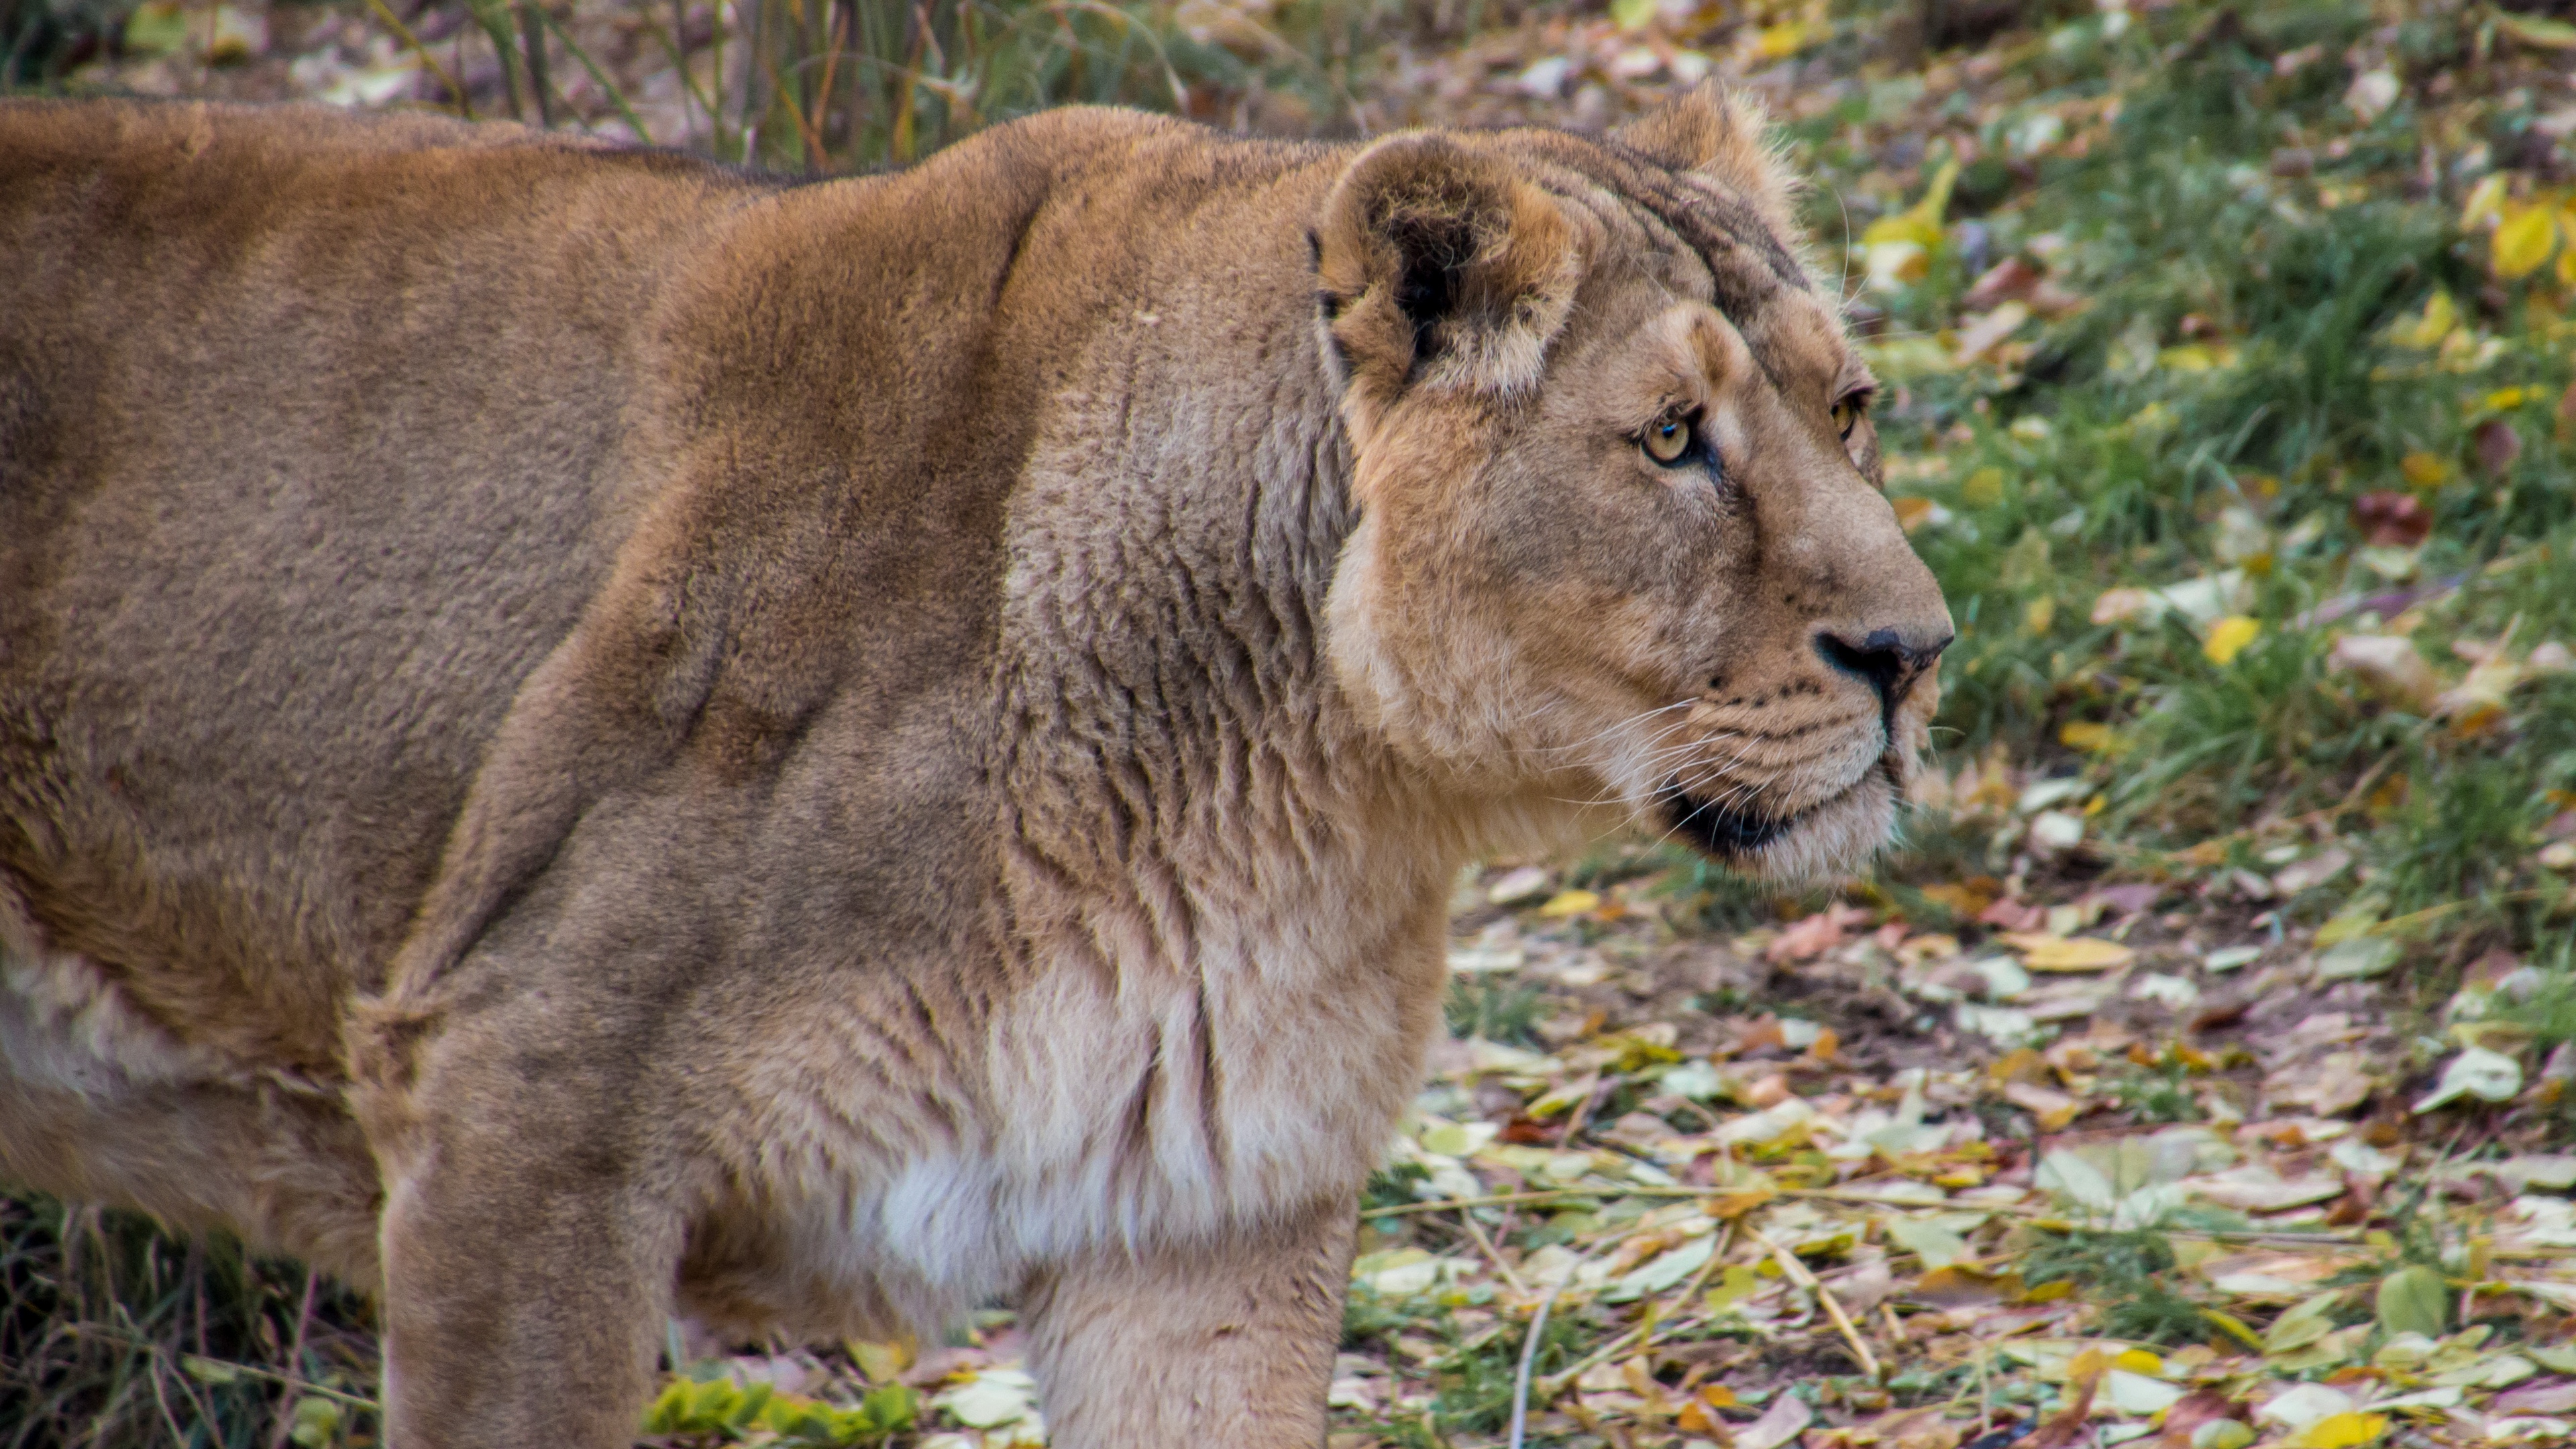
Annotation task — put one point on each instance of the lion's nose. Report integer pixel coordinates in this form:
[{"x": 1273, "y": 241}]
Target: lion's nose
[{"x": 1885, "y": 658}]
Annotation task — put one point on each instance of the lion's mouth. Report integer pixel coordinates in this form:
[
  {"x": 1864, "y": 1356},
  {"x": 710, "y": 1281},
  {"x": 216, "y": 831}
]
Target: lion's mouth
[{"x": 1724, "y": 830}]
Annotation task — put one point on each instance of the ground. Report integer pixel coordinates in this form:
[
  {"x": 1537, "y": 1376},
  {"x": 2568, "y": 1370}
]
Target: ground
[{"x": 2197, "y": 1068}]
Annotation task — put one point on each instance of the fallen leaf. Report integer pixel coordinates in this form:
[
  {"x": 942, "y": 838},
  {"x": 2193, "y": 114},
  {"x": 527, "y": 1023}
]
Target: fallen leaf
[
  {"x": 1815, "y": 935},
  {"x": 2497, "y": 446},
  {"x": 2390, "y": 666},
  {"x": 2522, "y": 241},
  {"x": 2053, "y": 1109},
  {"x": 2550, "y": 1396},
  {"x": 2476, "y": 1072},
  {"x": 2258, "y": 1189},
  {"x": 2228, "y": 638},
  {"x": 2414, "y": 1300},
  {"x": 1936, "y": 1245},
  {"x": 2201, "y": 1406},
  {"x": 1570, "y": 903},
  {"x": 2063, "y": 1428},
  {"x": 2044, "y": 952},
  {"x": 1786, "y": 1419},
  {"x": 2304, "y": 1405},
  {"x": 2392, "y": 519}
]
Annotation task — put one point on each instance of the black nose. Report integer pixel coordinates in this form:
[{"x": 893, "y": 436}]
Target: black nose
[{"x": 1885, "y": 659}]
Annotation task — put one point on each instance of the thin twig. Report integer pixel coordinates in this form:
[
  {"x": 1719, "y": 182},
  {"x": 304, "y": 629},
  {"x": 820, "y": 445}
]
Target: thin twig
[
  {"x": 1824, "y": 1194},
  {"x": 294, "y": 1376},
  {"x": 405, "y": 34},
  {"x": 1798, "y": 1274},
  {"x": 248, "y": 1370},
  {"x": 1493, "y": 1255},
  {"x": 1648, "y": 1332},
  {"x": 161, "y": 1401},
  {"x": 1582, "y": 1109},
  {"x": 1529, "y": 1355}
]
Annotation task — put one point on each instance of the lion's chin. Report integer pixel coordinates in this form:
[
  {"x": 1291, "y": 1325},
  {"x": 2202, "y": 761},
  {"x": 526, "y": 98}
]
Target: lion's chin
[{"x": 1833, "y": 837}]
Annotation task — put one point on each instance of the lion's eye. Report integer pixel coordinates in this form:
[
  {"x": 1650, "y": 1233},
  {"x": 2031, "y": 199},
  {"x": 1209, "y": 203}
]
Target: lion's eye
[
  {"x": 1847, "y": 417},
  {"x": 1667, "y": 440}
]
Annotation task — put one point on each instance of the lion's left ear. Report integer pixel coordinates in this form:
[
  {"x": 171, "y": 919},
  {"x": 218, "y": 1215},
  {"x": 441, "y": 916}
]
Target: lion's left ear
[
  {"x": 1439, "y": 266},
  {"x": 1720, "y": 136}
]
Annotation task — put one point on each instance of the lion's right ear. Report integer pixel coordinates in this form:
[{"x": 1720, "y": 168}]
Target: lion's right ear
[{"x": 1438, "y": 266}]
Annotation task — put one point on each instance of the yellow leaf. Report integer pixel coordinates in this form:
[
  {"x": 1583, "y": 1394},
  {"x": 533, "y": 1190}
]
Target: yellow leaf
[
  {"x": 1904, "y": 226},
  {"x": 2537, "y": 30},
  {"x": 2347, "y": 1430},
  {"x": 2234, "y": 1326},
  {"x": 1785, "y": 39},
  {"x": 2522, "y": 241},
  {"x": 2425, "y": 331},
  {"x": 2044, "y": 952},
  {"x": 1984, "y": 488},
  {"x": 1921, "y": 222},
  {"x": 882, "y": 1362},
  {"x": 2138, "y": 1361},
  {"x": 2567, "y": 258},
  {"x": 2486, "y": 199},
  {"x": 2038, "y": 614},
  {"x": 1571, "y": 903},
  {"x": 2506, "y": 399},
  {"x": 2228, "y": 638},
  {"x": 2196, "y": 357},
  {"x": 2423, "y": 470},
  {"x": 2085, "y": 735}
]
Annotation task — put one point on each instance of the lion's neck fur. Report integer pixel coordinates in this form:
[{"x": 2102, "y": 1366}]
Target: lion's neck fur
[{"x": 1229, "y": 895}]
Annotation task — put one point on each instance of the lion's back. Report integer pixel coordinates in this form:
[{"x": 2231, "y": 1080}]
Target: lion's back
[{"x": 313, "y": 442}]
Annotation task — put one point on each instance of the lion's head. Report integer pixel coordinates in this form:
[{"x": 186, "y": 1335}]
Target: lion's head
[{"x": 1620, "y": 530}]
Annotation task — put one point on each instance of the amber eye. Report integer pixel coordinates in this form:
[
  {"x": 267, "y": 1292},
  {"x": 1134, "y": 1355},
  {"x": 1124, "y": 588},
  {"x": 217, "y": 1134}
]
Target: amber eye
[
  {"x": 1667, "y": 440},
  {"x": 1847, "y": 416}
]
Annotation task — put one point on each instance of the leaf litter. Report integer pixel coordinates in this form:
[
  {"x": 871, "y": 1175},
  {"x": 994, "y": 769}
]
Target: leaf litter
[{"x": 2198, "y": 1074}]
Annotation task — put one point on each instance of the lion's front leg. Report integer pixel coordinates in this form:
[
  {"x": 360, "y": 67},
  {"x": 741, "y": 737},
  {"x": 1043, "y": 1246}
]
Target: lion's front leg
[
  {"x": 530, "y": 1250},
  {"x": 1230, "y": 1342}
]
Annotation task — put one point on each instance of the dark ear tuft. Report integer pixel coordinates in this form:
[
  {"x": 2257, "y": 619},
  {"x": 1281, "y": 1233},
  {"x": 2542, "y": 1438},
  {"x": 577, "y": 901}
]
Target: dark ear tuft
[{"x": 1442, "y": 266}]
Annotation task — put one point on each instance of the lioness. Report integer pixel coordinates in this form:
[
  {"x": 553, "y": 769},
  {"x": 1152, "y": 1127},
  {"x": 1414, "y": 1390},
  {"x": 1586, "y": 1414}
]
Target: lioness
[{"x": 587, "y": 736}]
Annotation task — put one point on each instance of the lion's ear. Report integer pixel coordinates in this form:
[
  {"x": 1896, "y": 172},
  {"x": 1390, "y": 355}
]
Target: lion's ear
[
  {"x": 1438, "y": 265},
  {"x": 1720, "y": 136}
]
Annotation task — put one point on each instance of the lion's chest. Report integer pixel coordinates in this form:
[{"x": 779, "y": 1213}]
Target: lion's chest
[{"x": 1115, "y": 1109}]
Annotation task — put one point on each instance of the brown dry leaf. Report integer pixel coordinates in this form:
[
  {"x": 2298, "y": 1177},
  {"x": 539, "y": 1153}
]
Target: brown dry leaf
[
  {"x": 1924, "y": 1428},
  {"x": 2054, "y": 1109},
  {"x": 2193, "y": 1410},
  {"x": 2548, "y": 1396},
  {"x": 1959, "y": 1287},
  {"x": 2391, "y": 519},
  {"x": 1727, "y": 1206},
  {"x": 2021, "y": 1064},
  {"x": 2331, "y": 1087},
  {"x": 1814, "y": 936},
  {"x": 1968, "y": 898},
  {"x": 2063, "y": 1428},
  {"x": 2497, "y": 446}
]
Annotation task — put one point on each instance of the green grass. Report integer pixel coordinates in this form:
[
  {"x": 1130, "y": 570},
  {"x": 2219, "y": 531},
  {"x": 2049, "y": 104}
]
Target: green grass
[
  {"x": 2089, "y": 463},
  {"x": 2096, "y": 466},
  {"x": 113, "y": 1334}
]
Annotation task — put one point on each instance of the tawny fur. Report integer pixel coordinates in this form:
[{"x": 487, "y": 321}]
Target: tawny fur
[{"x": 585, "y": 737}]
